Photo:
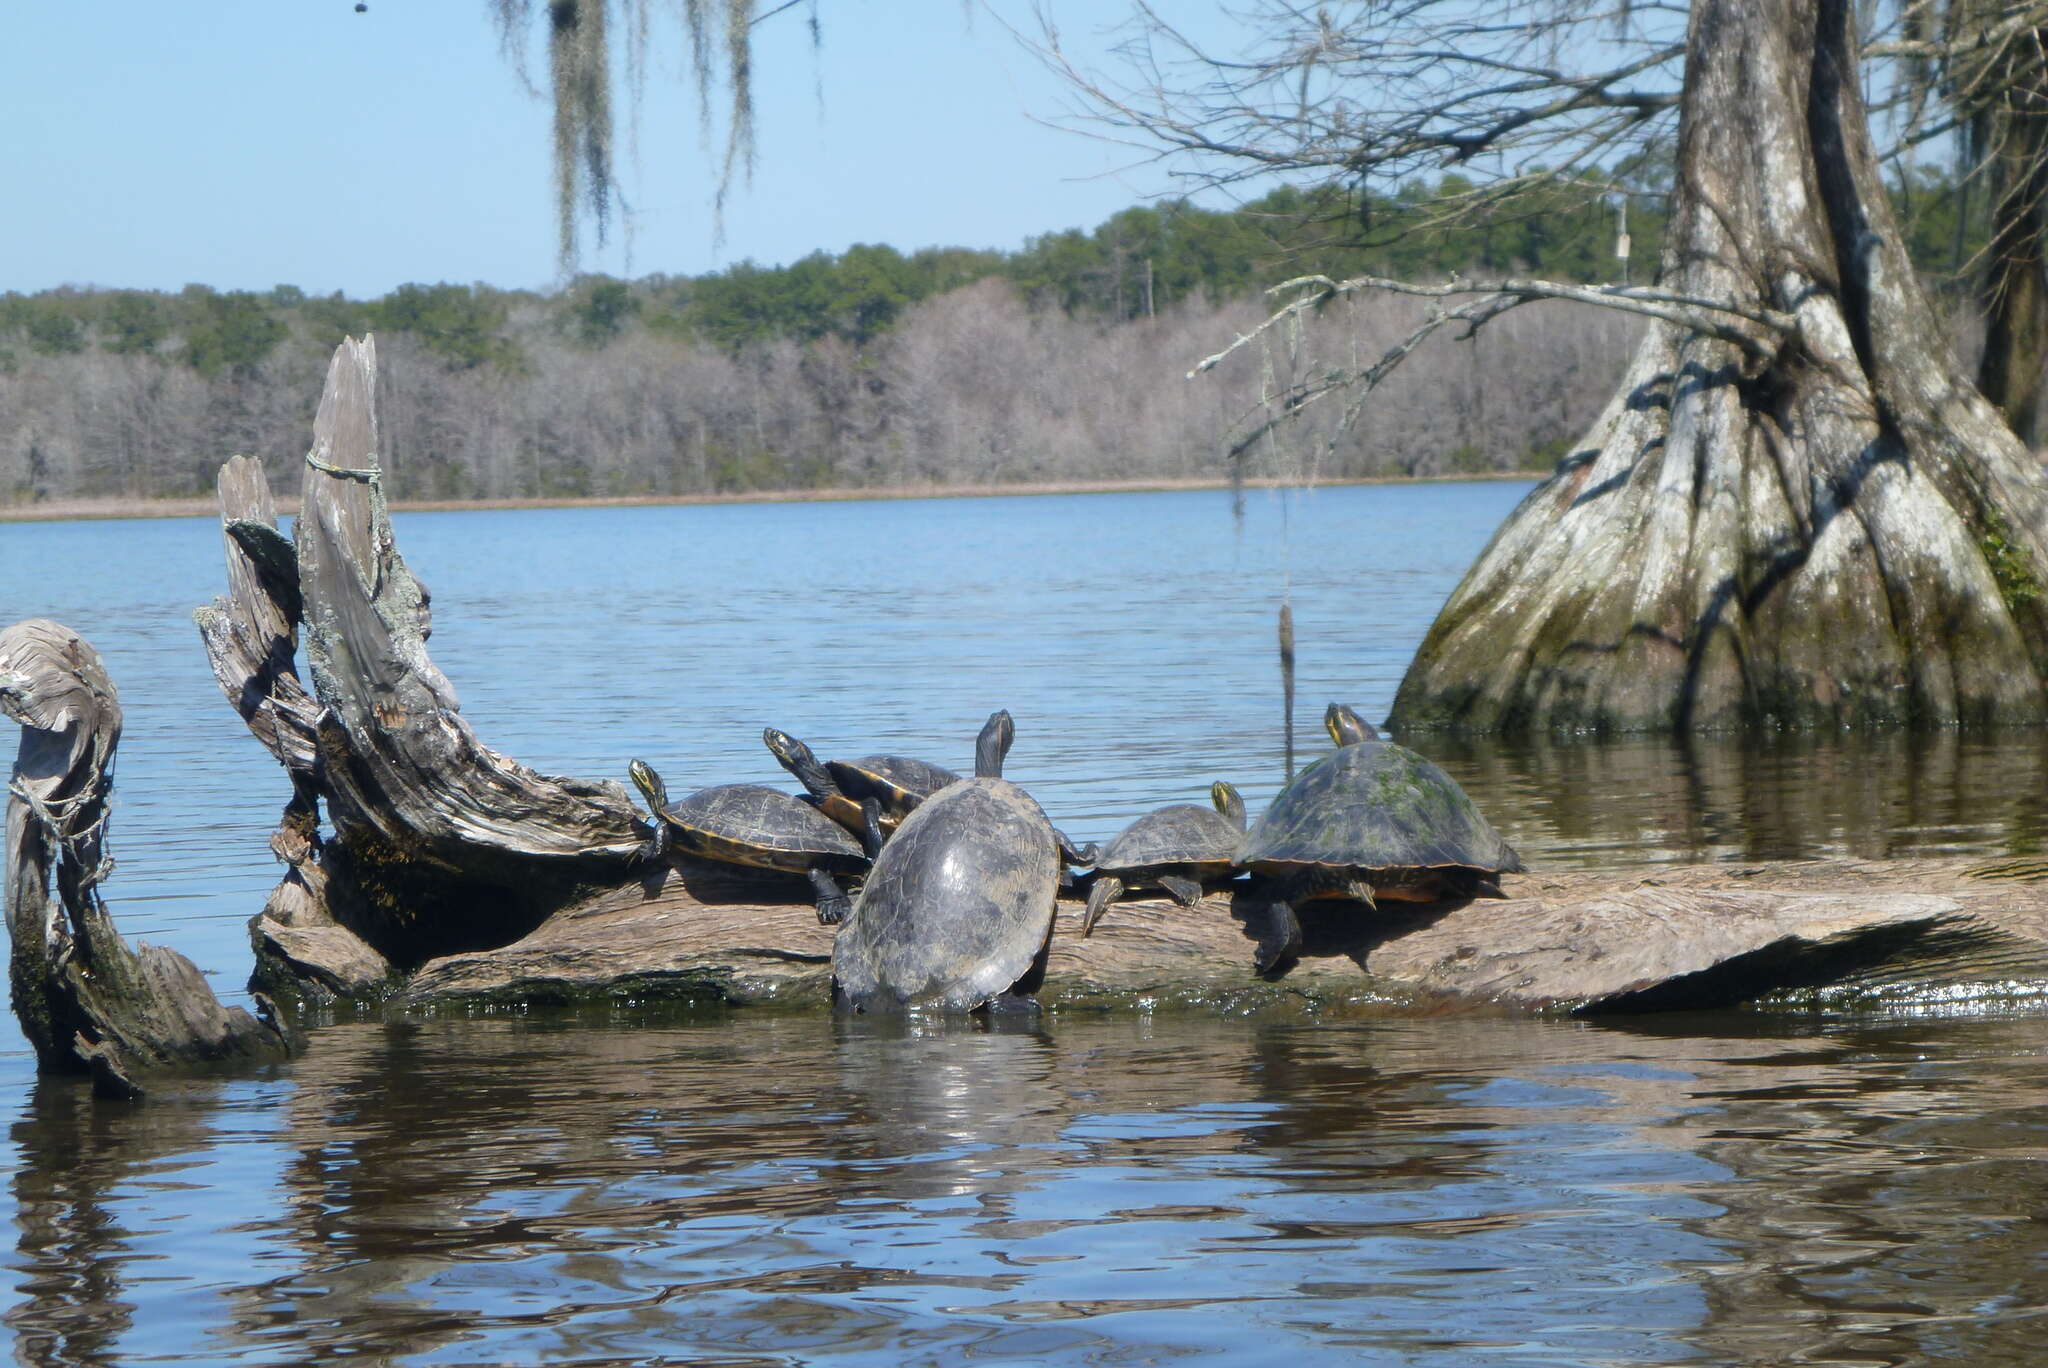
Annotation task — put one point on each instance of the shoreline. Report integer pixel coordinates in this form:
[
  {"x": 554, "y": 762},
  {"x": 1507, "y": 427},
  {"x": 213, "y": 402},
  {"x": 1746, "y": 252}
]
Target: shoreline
[{"x": 92, "y": 510}]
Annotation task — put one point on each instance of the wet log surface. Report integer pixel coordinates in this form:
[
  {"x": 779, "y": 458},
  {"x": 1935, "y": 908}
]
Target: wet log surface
[{"x": 1642, "y": 940}]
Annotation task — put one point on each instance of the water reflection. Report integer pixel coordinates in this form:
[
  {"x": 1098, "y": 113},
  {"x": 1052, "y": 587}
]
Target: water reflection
[
  {"x": 773, "y": 1190},
  {"x": 1634, "y": 800}
]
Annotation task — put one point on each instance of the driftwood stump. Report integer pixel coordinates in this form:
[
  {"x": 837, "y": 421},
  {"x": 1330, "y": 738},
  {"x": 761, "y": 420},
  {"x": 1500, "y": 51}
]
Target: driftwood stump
[
  {"x": 438, "y": 844},
  {"x": 88, "y": 1003}
]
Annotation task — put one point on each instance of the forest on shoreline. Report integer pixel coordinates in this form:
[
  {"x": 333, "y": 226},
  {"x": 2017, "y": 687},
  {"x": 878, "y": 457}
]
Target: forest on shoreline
[{"x": 1061, "y": 363}]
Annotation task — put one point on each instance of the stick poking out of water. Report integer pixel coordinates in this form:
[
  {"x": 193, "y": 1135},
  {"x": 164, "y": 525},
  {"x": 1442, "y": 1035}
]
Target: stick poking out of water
[{"x": 1287, "y": 677}]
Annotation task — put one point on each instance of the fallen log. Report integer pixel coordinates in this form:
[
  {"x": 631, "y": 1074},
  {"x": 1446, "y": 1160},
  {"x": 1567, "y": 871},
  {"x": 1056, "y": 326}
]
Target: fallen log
[
  {"x": 1701, "y": 936},
  {"x": 86, "y": 1001}
]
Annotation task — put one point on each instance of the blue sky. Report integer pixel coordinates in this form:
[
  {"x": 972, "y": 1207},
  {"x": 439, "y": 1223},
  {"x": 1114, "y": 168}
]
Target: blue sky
[{"x": 248, "y": 143}]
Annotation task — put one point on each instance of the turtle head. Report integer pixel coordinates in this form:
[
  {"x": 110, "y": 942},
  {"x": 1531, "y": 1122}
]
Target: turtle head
[
  {"x": 994, "y": 745},
  {"x": 1225, "y": 796},
  {"x": 650, "y": 785},
  {"x": 794, "y": 756},
  {"x": 1346, "y": 727}
]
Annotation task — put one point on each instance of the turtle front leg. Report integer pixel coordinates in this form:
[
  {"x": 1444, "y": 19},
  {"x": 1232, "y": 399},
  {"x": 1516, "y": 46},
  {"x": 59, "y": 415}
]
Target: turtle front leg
[
  {"x": 1182, "y": 889},
  {"x": 833, "y": 904}
]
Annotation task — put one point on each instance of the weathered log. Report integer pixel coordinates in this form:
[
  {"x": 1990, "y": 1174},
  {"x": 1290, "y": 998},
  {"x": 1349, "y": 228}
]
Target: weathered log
[
  {"x": 1691, "y": 937},
  {"x": 439, "y": 843},
  {"x": 86, "y": 1001}
]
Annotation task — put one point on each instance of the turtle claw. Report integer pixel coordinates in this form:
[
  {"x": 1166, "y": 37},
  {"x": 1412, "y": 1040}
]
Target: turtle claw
[{"x": 832, "y": 911}]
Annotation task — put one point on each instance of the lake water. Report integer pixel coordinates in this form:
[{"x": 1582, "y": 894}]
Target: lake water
[{"x": 784, "y": 1188}]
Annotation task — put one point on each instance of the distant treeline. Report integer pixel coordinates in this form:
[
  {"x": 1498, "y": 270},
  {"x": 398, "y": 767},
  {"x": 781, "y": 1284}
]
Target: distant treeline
[{"x": 870, "y": 368}]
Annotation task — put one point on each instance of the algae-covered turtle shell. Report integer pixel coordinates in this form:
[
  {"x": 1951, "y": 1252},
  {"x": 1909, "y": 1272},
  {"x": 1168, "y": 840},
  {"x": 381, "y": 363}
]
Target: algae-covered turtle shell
[
  {"x": 759, "y": 828},
  {"x": 1381, "y": 810},
  {"x": 1177, "y": 848},
  {"x": 957, "y": 906},
  {"x": 1370, "y": 821}
]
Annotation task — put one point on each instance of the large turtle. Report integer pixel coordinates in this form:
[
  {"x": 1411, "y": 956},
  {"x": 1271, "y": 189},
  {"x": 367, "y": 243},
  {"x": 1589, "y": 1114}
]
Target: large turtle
[
  {"x": 1178, "y": 848},
  {"x": 1370, "y": 821},
  {"x": 759, "y": 827},
  {"x": 959, "y": 904}
]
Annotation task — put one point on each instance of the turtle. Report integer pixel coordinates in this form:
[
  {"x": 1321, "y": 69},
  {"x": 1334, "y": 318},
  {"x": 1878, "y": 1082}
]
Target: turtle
[
  {"x": 897, "y": 782},
  {"x": 1178, "y": 848},
  {"x": 958, "y": 908},
  {"x": 844, "y": 802},
  {"x": 1371, "y": 821},
  {"x": 758, "y": 827},
  {"x": 821, "y": 790}
]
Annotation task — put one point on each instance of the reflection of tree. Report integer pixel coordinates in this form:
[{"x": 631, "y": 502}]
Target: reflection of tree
[
  {"x": 784, "y": 1185},
  {"x": 70, "y": 1156},
  {"x": 1882, "y": 1191},
  {"x": 1760, "y": 797}
]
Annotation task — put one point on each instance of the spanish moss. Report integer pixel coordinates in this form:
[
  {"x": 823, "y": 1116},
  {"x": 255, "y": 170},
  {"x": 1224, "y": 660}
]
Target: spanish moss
[{"x": 580, "y": 87}]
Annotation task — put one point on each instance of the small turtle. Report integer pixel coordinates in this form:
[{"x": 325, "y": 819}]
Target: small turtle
[
  {"x": 820, "y": 789},
  {"x": 897, "y": 782},
  {"x": 844, "y": 803},
  {"x": 959, "y": 905},
  {"x": 1370, "y": 821},
  {"x": 1177, "y": 848},
  {"x": 760, "y": 828}
]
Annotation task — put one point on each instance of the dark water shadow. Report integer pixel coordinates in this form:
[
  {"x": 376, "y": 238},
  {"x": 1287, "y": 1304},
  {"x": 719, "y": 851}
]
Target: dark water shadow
[{"x": 1584, "y": 802}]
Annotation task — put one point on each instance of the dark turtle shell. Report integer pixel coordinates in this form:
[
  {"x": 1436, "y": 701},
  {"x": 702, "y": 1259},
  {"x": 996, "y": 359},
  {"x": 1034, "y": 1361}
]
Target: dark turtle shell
[
  {"x": 751, "y": 824},
  {"x": 1378, "y": 809},
  {"x": 957, "y": 906},
  {"x": 897, "y": 782},
  {"x": 1184, "y": 834}
]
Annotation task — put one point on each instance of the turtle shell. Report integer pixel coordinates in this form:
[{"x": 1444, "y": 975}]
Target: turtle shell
[
  {"x": 752, "y": 824},
  {"x": 1183, "y": 834},
  {"x": 897, "y": 782},
  {"x": 1374, "y": 807},
  {"x": 957, "y": 906}
]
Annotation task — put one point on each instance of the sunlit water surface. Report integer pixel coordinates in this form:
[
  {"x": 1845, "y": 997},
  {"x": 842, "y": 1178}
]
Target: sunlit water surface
[{"x": 783, "y": 1189}]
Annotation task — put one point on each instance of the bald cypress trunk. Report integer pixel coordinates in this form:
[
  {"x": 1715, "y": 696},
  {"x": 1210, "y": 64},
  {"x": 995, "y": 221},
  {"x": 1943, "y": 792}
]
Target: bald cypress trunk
[{"x": 1843, "y": 533}]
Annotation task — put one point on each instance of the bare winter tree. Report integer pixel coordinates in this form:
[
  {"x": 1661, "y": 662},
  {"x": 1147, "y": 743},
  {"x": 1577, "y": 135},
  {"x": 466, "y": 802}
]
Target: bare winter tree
[
  {"x": 1796, "y": 510},
  {"x": 1973, "y": 74}
]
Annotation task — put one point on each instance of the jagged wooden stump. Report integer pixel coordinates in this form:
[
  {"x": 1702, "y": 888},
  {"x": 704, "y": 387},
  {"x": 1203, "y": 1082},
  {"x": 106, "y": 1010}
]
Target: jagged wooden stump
[{"x": 87, "y": 1002}]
